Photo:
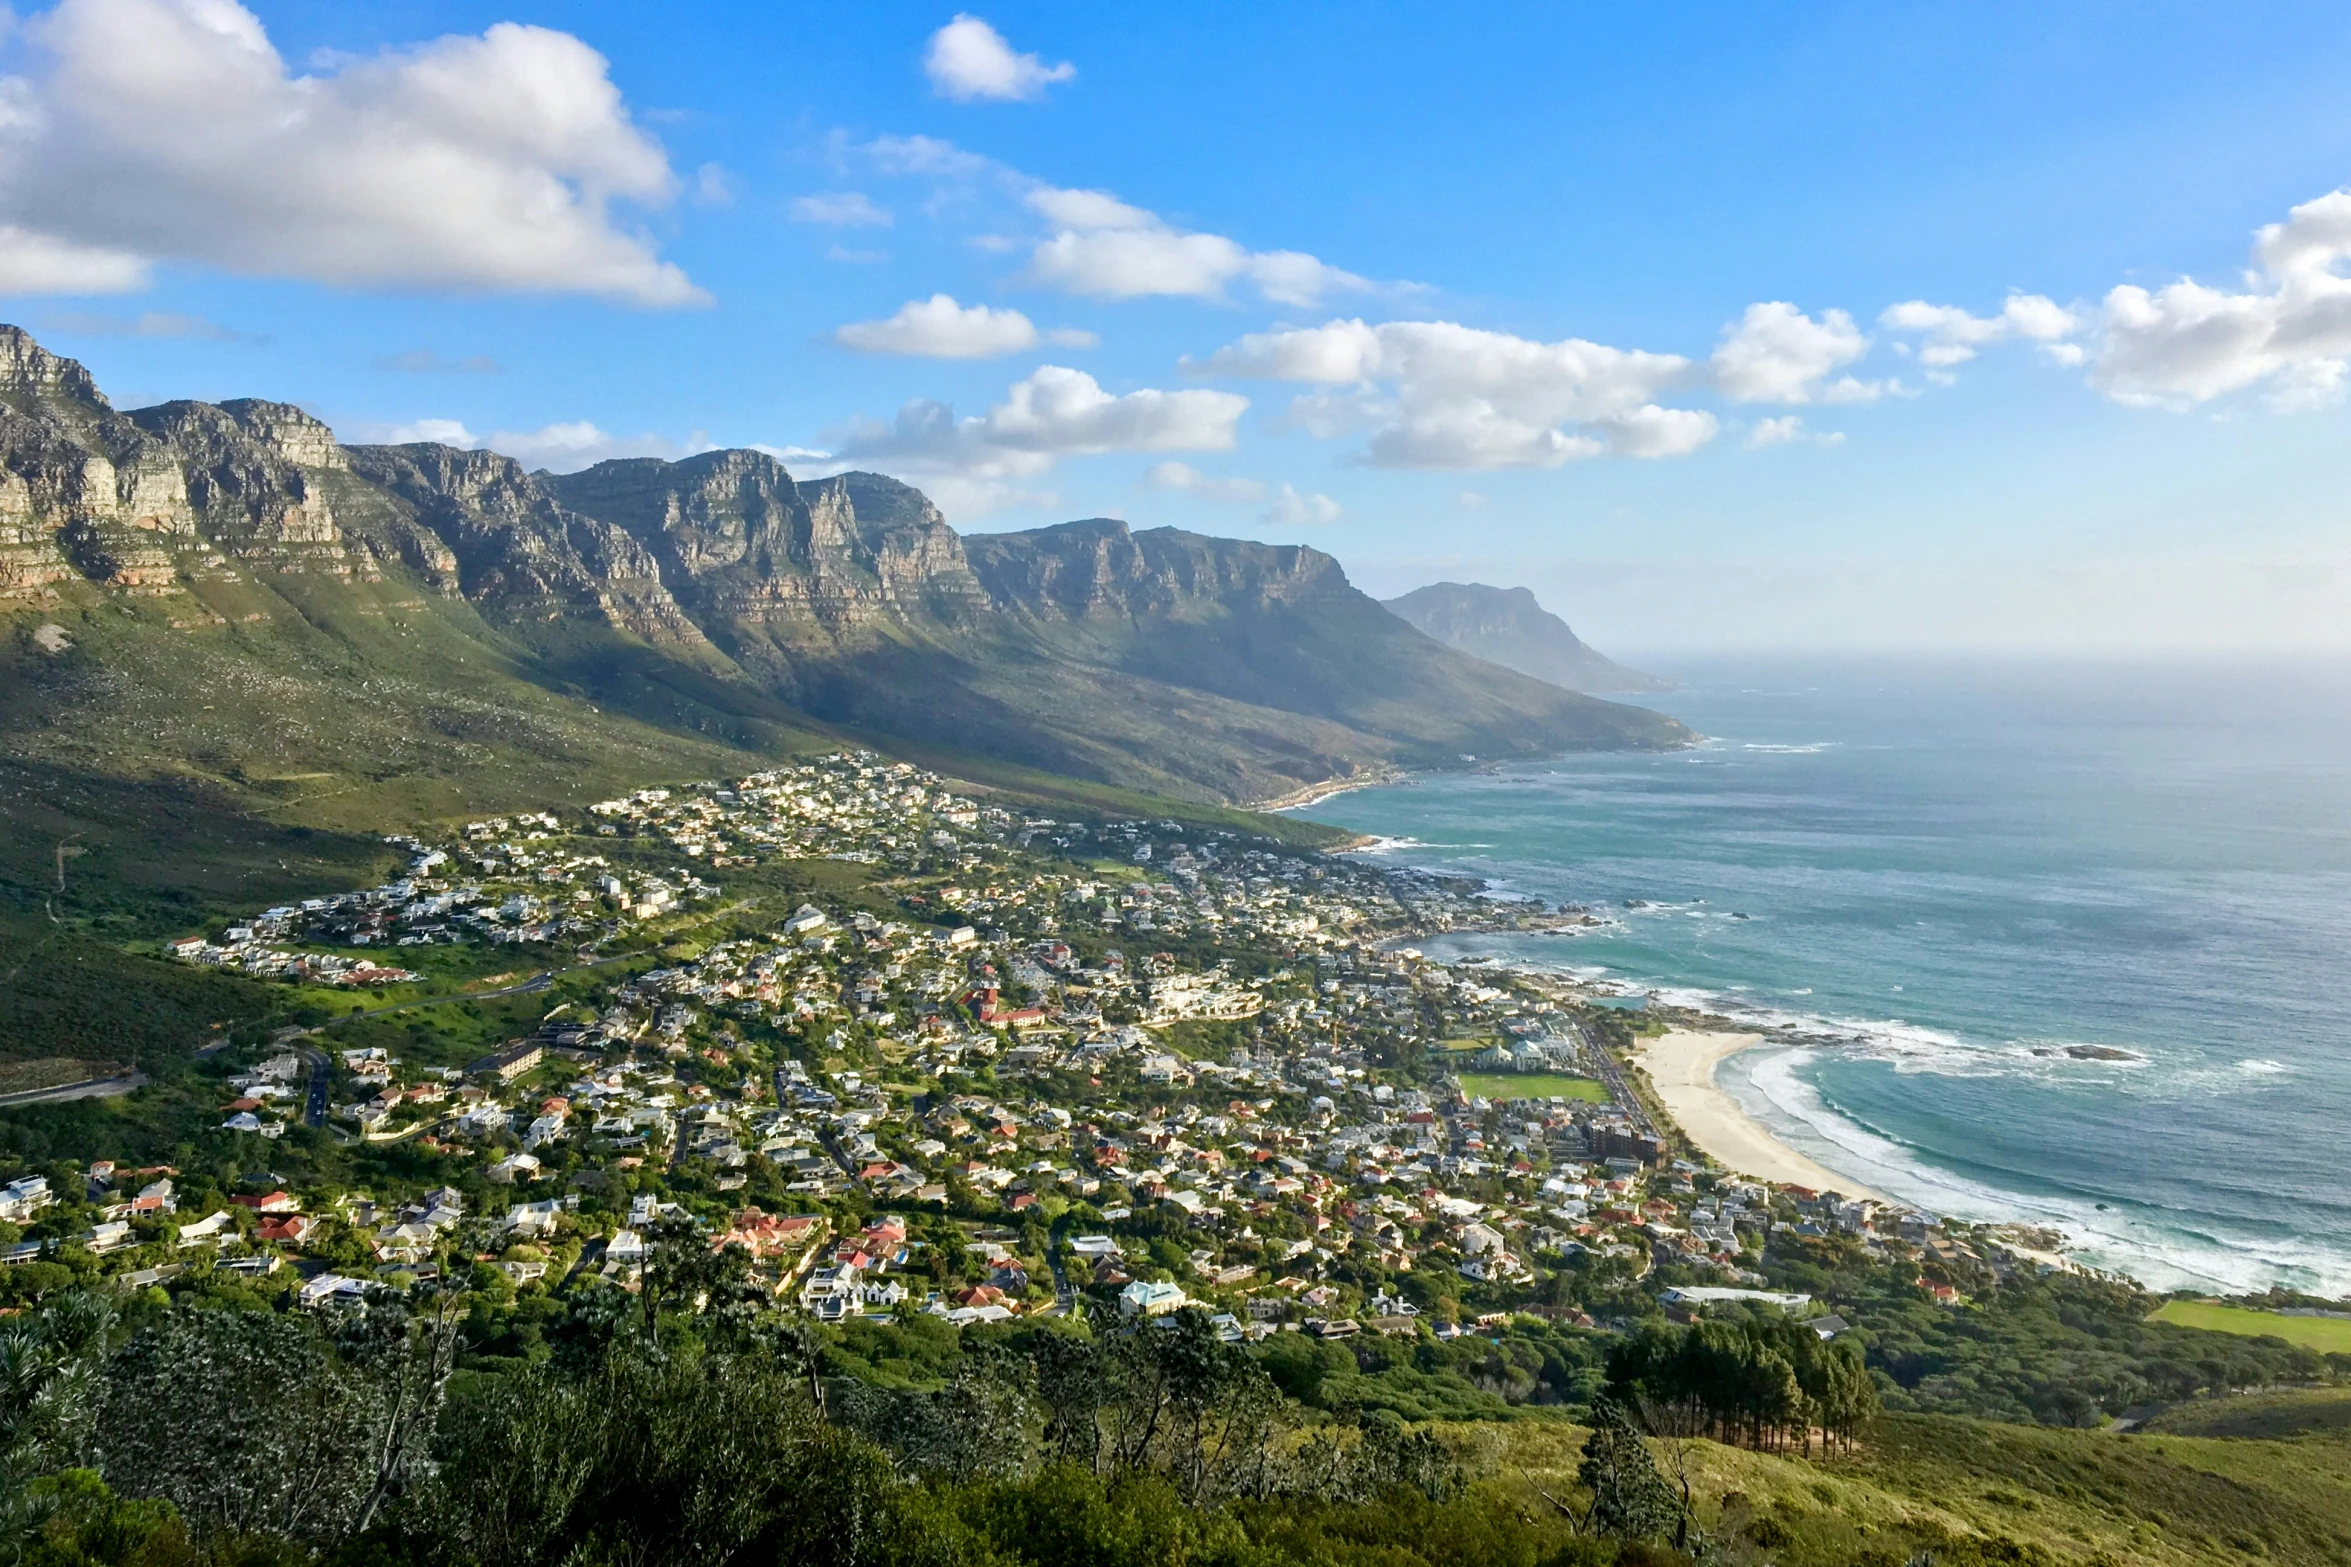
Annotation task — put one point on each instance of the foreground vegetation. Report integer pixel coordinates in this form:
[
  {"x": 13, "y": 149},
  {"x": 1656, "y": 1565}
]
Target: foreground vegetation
[{"x": 203, "y": 1433}]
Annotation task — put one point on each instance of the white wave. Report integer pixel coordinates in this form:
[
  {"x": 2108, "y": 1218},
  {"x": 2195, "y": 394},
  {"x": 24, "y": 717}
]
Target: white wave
[
  {"x": 2163, "y": 1250},
  {"x": 1388, "y": 846},
  {"x": 1812, "y": 749},
  {"x": 2263, "y": 1068}
]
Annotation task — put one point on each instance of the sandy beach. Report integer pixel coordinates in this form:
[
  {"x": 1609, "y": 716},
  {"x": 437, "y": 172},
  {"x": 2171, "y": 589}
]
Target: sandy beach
[{"x": 1680, "y": 1065}]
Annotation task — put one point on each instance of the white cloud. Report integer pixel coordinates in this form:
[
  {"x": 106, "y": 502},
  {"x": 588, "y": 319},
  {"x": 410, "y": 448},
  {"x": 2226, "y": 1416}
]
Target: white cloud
[
  {"x": 839, "y": 209},
  {"x": 1055, "y": 412},
  {"x": 1108, "y": 249},
  {"x": 931, "y": 156},
  {"x": 1776, "y": 353},
  {"x": 564, "y": 447},
  {"x": 1060, "y": 410},
  {"x": 1950, "y": 336},
  {"x": 1651, "y": 431},
  {"x": 714, "y": 186},
  {"x": 1471, "y": 500},
  {"x": 1786, "y": 428},
  {"x": 969, "y": 61},
  {"x": 939, "y": 328},
  {"x": 1102, "y": 246},
  {"x": 171, "y": 129},
  {"x": 2290, "y": 330},
  {"x": 1191, "y": 481},
  {"x": 35, "y": 263},
  {"x": 1437, "y": 394},
  {"x": 857, "y": 258},
  {"x": 1291, "y": 509}
]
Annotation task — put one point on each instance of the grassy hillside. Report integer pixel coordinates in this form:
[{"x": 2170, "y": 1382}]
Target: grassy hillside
[{"x": 1971, "y": 1491}]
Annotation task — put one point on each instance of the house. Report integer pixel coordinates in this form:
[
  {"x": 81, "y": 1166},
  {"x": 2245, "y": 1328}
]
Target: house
[
  {"x": 113, "y": 1235},
  {"x": 275, "y": 1202},
  {"x": 332, "y": 1289},
  {"x": 1141, "y": 1299},
  {"x": 533, "y": 1218},
  {"x": 515, "y": 1167},
  {"x": 210, "y": 1230},
  {"x": 22, "y": 1198},
  {"x": 291, "y": 1229},
  {"x": 508, "y": 1064}
]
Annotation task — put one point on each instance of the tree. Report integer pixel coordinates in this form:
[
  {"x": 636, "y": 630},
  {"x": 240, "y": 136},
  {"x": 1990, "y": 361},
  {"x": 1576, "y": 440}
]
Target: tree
[
  {"x": 49, "y": 1398},
  {"x": 1630, "y": 1499},
  {"x": 245, "y": 1421}
]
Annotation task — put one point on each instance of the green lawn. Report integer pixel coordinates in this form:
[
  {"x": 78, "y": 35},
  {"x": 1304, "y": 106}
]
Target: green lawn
[
  {"x": 1538, "y": 1085},
  {"x": 2327, "y": 1335}
]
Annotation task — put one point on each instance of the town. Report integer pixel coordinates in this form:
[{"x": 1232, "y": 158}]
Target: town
[{"x": 1010, "y": 1062}]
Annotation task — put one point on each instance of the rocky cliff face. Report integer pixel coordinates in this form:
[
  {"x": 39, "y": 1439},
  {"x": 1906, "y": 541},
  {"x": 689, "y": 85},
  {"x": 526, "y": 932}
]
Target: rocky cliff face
[
  {"x": 740, "y": 542},
  {"x": 504, "y": 542},
  {"x": 1214, "y": 667},
  {"x": 1082, "y": 570}
]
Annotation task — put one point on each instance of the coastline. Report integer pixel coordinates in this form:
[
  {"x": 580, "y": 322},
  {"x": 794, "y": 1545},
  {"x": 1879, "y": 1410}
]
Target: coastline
[
  {"x": 1680, "y": 1066},
  {"x": 1313, "y": 794}
]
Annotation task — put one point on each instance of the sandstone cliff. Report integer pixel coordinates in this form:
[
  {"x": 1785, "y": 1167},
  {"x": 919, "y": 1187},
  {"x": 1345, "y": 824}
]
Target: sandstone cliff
[{"x": 720, "y": 594}]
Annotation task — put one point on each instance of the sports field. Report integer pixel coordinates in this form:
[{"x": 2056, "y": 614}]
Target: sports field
[
  {"x": 1535, "y": 1085},
  {"x": 2327, "y": 1335}
]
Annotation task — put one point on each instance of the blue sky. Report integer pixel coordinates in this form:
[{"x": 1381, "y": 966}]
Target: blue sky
[{"x": 1541, "y": 294}]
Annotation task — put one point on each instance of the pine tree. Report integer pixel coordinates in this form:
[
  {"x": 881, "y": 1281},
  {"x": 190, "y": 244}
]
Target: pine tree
[{"x": 1630, "y": 1499}]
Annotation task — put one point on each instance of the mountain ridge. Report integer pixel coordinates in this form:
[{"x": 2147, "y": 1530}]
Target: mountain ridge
[
  {"x": 721, "y": 597},
  {"x": 1507, "y": 626}
]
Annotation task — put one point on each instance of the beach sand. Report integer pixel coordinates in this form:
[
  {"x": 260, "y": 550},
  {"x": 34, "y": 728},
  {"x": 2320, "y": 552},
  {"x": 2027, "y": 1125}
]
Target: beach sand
[{"x": 1680, "y": 1065}]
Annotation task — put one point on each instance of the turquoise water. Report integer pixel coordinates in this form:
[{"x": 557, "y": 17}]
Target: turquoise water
[{"x": 1948, "y": 874}]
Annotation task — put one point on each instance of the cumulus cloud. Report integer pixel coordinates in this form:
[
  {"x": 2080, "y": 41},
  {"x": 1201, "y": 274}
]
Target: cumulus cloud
[
  {"x": 171, "y": 129},
  {"x": 564, "y": 447},
  {"x": 1292, "y": 509},
  {"x": 839, "y": 209},
  {"x": 970, "y": 62},
  {"x": 939, "y": 328},
  {"x": 1436, "y": 394},
  {"x": 1055, "y": 412},
  {"x": 2289, "y": 331},
  {"x": 1108, "y": 249},
  {"x": 1775, "y": 353},
  {"x": 1185, "y": 478},
  {"x": 1950, "y": 336}
]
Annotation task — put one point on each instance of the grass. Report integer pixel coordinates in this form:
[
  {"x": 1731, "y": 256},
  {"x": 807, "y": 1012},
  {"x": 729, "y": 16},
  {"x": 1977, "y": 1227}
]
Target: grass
[
  {"x": 2296, "y": 1412},
  {"x": 2327, "y": 1335},
  {"x": 1973, "y": 1491},
  {"x": 1533, "y": 1085}
]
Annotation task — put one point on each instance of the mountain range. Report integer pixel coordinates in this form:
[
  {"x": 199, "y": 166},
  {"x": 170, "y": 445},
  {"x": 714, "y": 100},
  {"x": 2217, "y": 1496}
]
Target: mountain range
[
  {"x": 228, "y": 593},
  {"x": 1507, "y": 626}
]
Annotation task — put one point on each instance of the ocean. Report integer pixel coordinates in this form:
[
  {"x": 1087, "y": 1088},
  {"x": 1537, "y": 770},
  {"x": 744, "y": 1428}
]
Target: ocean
[{"x": 1952, "y": 877}]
